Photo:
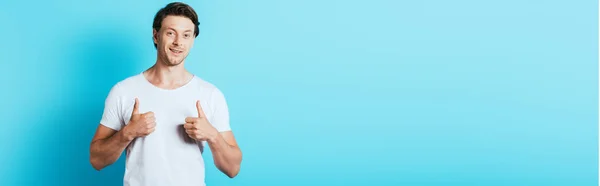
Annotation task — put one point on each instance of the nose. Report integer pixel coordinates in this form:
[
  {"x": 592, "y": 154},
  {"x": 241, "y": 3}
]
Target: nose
[{"x": 176, "y": 41}]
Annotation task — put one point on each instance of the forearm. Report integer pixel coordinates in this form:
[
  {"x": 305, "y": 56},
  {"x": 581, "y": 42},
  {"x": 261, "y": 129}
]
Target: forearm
[
  {"x": 226, "y": 157},
  {"x": 107, "y": 151}
]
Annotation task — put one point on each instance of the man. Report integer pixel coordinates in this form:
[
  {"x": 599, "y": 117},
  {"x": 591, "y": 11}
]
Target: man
[{"x": 164, "y": 116}]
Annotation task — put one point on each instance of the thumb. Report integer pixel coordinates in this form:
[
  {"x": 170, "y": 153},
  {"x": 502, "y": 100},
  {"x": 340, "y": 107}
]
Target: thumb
[
  {"x": 200, "y": 111},
  {"x": 136, "y": 107}
]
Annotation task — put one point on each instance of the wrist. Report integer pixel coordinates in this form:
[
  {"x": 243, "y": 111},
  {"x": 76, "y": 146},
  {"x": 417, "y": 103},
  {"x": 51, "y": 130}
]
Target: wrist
[
  {"x": 126, "y": 135},
  {"x": 214, "y": 138}
]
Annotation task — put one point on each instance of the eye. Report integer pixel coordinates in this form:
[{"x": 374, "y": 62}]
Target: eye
[
  {"x": 186, "y": 36},
  {"x": 169, "y": 33}
]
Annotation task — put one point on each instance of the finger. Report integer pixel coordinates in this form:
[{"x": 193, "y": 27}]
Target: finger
[
  {"x": 188, "y": 126},
  {"x": 190, "y": 119},
  {"x": 149, "y": 114},
  {"x": 151, "y": 119},
  {"x": 135, "y": 107},
  {"x": 190, "y": 132},
  {"x": 151, "y": 130},
  {"x": 200, "y": 111}
]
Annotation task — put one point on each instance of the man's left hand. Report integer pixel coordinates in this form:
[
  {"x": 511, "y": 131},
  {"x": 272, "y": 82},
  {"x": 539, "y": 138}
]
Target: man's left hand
[{"x": 199, "y": 128}]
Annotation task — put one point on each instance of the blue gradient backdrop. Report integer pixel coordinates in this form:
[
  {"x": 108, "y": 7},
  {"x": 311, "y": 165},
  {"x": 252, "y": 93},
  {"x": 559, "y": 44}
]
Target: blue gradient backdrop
[{"x": 323, "y": 92}]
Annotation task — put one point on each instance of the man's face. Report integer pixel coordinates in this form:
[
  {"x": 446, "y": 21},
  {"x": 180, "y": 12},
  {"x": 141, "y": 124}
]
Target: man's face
[{"x": 174, "y": 39}]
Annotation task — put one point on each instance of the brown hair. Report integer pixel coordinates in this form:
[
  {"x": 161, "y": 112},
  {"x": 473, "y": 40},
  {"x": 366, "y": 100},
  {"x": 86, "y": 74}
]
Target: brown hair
[{"x": 176, "y": 9}]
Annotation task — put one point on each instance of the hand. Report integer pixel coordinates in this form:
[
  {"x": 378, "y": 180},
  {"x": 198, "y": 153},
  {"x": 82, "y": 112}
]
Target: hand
[
  {"x": 199, "y": 128},
  {"x": 140, "y": 124}
]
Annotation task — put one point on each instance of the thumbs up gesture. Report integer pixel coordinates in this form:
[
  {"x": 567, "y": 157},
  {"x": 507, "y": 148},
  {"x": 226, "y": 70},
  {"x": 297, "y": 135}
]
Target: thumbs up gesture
[
  {"x": 199, "y": 128},
  {"x": 140, "y": 124}
]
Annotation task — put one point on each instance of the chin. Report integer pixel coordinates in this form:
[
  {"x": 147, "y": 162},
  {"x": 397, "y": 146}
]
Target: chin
[{"x": 174, "y": 63}]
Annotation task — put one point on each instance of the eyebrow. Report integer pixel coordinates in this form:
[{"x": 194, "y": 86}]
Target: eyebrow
[{"x": 170, "y": 28}]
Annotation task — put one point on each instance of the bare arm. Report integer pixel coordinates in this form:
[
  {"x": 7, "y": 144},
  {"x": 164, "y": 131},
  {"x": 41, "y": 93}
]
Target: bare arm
[
  {"x": 226, "y": 153},
  {"x": 107, "y": 146}
]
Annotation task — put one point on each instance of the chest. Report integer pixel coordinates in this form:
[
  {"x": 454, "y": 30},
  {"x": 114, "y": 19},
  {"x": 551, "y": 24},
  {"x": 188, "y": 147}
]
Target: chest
[{"x": 171, "y": 110}]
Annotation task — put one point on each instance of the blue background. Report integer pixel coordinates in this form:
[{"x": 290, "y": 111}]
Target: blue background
[{"x": 378, "y": 92}]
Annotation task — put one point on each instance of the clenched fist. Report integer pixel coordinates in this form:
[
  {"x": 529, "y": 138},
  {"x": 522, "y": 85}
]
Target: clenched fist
[
  {"x": 199, "y": 128},
  {"x": 140, "y": 124}
]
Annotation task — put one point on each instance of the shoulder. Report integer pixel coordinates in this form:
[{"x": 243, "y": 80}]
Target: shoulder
[
  {"x": 206, "y": 86},
  {"x": 127, "y": 84}
]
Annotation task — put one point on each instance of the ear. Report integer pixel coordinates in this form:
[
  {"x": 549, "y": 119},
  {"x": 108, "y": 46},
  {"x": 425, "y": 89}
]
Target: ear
[{"x": 155, "y": 36}]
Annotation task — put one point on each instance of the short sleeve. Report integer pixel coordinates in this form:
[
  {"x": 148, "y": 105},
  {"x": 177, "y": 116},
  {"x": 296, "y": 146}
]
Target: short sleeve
[
  {"x": 220, "y": 111},
  {"x": 112, "y": 117}
]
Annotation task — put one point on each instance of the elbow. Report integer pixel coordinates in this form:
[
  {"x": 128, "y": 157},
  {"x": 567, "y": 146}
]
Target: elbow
[
  {"x": 97, "y": 168},
  {"x": 234, "y": 172},
  {"x": 96, "y": 164}
]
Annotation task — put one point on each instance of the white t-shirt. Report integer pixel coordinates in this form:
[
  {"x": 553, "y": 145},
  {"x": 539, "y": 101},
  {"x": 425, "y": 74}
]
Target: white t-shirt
[{"x": 168, "y": 156}]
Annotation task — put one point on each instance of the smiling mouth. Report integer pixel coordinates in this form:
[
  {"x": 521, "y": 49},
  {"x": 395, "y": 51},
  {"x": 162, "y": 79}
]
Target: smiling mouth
[{"x": 176, "y": 51}]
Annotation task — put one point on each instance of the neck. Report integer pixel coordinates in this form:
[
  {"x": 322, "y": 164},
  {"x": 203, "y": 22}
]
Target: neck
[{"x": 167, "y": 76}]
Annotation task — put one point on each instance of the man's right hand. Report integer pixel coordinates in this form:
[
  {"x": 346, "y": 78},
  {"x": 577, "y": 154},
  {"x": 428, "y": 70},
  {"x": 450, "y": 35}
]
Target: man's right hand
[{"x": 140, "y": 124}]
